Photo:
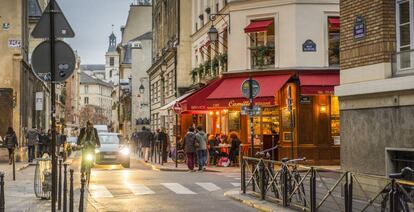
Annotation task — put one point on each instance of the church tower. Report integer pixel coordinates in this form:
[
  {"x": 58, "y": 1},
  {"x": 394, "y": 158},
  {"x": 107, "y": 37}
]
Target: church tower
[{"x": 112, "y": 61}]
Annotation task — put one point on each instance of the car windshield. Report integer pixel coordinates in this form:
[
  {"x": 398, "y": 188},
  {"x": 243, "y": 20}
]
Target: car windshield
[{"x": 109, "y": 139}]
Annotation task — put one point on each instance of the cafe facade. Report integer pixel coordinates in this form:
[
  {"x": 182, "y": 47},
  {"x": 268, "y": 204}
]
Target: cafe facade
[{"x": 279, "y": 46}]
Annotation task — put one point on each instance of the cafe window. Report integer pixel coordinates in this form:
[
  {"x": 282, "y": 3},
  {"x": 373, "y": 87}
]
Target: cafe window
[
  {"x": 335, "y": 130},
  {"x": 333, "y": 40},
  {"x": 268, "y": 121},
  {"x": 234, "y": 121},
  {"x": 262, "y": 43}
]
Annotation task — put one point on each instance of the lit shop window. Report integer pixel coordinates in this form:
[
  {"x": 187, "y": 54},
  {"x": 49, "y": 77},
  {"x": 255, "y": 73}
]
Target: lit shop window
[
  {"x": 262, "y": 42},
  {"x": 335, "y": 128},
  {"x": 333, "y": 37}
]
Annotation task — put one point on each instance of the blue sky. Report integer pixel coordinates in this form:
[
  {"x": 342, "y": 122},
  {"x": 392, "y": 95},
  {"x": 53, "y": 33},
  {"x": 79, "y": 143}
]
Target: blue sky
[{"x": 92, "y": 22}]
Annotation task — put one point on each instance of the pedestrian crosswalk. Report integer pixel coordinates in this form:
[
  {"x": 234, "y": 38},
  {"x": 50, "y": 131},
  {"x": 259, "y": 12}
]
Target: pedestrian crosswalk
[{"x": 97, "y": 191}]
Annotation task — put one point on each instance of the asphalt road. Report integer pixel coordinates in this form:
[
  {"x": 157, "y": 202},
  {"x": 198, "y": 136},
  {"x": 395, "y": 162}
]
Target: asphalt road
[{"x": 140, "y": 188}]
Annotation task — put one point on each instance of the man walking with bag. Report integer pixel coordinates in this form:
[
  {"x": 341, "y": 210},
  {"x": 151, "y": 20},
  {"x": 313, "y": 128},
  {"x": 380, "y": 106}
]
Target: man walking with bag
[
  {"x": 201, "y": 139},
  {"x": 189, "y": 148}
]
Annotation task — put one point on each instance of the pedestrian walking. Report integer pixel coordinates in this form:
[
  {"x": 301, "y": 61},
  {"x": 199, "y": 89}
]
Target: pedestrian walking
[
  {"x": 43, "y": 142},
  {"x": 134, "y": 141},
  {"x": 201, "y": 140},
  {"x": 190, "y": 147},
  {"x": 162, "y": 138},
  {"x": 32, "y": 139},
  {"x": 146, "y": 139},
  {"x": 11, "y": 144}
]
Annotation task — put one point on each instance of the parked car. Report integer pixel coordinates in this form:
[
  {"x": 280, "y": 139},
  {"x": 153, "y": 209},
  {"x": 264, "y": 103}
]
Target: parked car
[{"x": 113, "y": 150}]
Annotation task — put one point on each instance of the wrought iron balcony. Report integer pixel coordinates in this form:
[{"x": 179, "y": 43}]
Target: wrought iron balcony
[{"x": 403, "y": 63}]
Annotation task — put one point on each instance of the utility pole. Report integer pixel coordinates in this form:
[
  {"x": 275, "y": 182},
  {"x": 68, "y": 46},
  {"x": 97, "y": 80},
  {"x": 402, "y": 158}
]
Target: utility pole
[{"x": 53, "y": 102}]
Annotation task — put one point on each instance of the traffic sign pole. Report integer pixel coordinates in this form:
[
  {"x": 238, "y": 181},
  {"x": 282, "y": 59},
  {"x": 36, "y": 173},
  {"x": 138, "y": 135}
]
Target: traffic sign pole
[
  {"x": 53, "y": 102},
  {"x": 251, "y": 114}
]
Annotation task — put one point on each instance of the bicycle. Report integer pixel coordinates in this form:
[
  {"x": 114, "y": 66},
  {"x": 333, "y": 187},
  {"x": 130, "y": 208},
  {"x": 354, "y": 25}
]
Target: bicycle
[
  {"x": 404, "y": 194},
  {"x": 294, "y": 185},
  {"x": 89, "y": 156}
]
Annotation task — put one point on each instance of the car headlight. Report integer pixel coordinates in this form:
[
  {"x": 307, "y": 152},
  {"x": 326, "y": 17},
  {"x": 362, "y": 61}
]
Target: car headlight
[
  {"x": 125, "y": 151},
  {"x": 97, "y": 151},
  {"x": 89, "y": 157}
]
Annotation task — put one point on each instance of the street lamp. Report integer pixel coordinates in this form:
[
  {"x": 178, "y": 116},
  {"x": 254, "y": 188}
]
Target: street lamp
[
  {"x": 213, "y": 34},
  {"x": 141, "y": 89}
]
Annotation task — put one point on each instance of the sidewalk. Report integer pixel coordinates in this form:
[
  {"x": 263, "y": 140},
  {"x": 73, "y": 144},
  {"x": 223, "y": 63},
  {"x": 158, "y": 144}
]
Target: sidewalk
[
  {"x": 170, "y": 166},
  {"x": 20, "y": 196},
  {"x": 254, "y": 202}
]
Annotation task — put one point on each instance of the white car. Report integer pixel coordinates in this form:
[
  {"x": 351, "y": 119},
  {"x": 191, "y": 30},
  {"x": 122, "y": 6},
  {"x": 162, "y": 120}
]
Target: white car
[{"x": 112, "y": 150}]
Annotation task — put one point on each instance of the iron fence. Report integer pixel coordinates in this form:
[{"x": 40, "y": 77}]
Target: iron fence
[{"x": 317, "y": 189}]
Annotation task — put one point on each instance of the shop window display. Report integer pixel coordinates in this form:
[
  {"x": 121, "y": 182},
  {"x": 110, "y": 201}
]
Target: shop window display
[{"x": 335, "y": 128}]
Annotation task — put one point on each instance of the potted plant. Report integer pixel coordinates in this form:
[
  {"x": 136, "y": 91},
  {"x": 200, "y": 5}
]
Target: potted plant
[
  {"x": 194, "y": 74},
  {"x": 207, "y": 67},
  {"x": 223, "y": 60},
  {"x": 215, "y": 65}
]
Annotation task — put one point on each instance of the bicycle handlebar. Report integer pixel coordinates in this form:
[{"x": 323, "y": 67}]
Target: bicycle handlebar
[
  {"x": 406, "y": 172},
  {"x": 295, "y": 160}
]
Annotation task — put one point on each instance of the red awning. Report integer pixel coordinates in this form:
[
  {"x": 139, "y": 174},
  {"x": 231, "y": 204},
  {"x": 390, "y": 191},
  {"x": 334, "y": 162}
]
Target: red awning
[
  {"x": 314, "y": 84},
  {"x": 197, "y": 101},
  {"x": 228, "y": 93},
  {"x": 334, "y": 23},
  {"x": 258, "y": 26}
]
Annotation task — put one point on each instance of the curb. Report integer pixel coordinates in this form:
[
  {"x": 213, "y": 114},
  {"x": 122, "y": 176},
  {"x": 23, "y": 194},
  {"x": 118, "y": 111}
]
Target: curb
[
  {"x": 165, "y": 169},
  {"x": 252, "y": 202},
  {"x": 25, "y": 166}
]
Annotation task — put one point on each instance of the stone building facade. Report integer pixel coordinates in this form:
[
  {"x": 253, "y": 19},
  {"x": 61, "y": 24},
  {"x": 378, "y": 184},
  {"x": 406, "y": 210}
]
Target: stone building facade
[
  {"x": 377, "y": 85},
  {"x": 18, "y": 84},
  {"x": 171, "y": 64}
]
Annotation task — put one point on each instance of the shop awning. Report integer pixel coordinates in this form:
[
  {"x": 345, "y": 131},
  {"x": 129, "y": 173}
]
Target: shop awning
[
  {"x": 334, "y": 23},
  {"x": 228, "y": 93},
  {"x": 314, "y": 84},
  {"x": 164, "y": 109},
  {"x": 258, "y": 26},
  {"x": 197, "y": 102}
]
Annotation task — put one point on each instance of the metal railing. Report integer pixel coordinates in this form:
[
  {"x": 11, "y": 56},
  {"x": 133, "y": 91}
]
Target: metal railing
[
  {"x": 403, "y": 63},
  {"x": 317, "y": 189}
]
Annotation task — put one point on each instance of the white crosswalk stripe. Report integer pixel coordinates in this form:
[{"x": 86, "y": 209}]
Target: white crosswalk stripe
[
  {"x": 236, "y": 184},
  {"x": 140, "y": 189},
  {"x": 209, "y": 186},
  {"x": 99, "y": 191},
  {"x": 177, "y": 188}
]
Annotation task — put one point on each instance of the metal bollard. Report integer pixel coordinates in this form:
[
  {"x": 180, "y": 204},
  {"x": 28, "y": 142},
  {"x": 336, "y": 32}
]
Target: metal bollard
[
  {"x": 82, "y": 191},
  {"x": 60, "y": 186},
  {"x": 313, "y": 191},
  {"x": 162, "y": 153},
  {"x": 71, "y": 202},
  {"x": 65, "y": 187},
  {"x": 285, "y": 194},
  {"x": 2, "y": 202},
  {"x": 243, "y": 175},
  {"x": 262, "y": 180},
  {"x": 14, "y": 166}
]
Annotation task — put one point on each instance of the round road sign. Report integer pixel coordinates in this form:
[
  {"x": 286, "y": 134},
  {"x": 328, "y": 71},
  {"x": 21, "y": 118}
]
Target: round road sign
[
  {"x": 177, "y": 108},
  {"x": 65, "y": 60},
  {"x": 245, "y": 88}
]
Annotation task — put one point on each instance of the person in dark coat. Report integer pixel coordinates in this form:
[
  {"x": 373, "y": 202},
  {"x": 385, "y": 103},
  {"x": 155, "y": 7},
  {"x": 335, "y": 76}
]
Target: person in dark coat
[
  {"x": 146, "y": 139},
  {"x": 43, "y": 142},
  {"x": 11, "y": 144},
  {"x": 190, "y": 147},
  {"x": 162, "y": 138},
  {"x": 234, "y": 149}
]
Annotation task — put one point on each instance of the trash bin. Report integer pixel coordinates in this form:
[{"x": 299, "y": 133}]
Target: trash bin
[{"x": 43, "y": 178}]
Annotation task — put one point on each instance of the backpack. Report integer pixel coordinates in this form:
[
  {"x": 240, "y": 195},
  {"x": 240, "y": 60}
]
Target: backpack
[{"x": 9, "y": 142}]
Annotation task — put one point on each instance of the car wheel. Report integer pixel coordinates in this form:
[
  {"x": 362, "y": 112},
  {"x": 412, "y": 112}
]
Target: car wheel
[{"x": 126, "y": 164}]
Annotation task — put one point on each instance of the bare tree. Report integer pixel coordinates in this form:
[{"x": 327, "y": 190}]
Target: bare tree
[{"x": 94, "y": 114}]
